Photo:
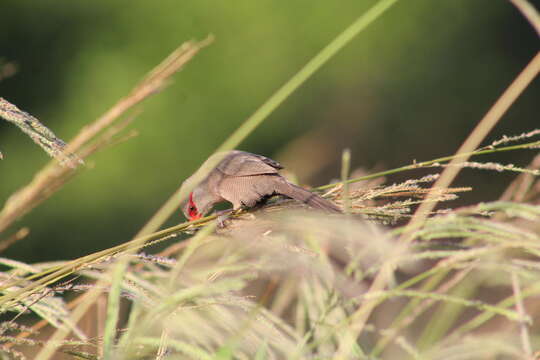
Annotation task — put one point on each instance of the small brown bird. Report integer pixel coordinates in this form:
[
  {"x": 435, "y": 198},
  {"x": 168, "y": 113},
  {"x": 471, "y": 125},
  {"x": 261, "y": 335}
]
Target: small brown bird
[{"x": 244, "y": 179}]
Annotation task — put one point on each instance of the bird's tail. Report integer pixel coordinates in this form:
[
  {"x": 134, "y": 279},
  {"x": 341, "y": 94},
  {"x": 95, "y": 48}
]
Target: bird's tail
[{"x": 308, "y": 197}]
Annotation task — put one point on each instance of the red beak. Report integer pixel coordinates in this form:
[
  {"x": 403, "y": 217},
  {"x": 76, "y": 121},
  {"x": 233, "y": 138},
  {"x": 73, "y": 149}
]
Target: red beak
[{"x": 196, "y": 217}]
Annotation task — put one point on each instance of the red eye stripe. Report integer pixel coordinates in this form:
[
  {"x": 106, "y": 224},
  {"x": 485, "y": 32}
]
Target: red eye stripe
[{"x": 193, "y": 212}]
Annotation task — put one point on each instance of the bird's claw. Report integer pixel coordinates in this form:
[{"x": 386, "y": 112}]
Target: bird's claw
[
  {"x": 221, "y": 221},
  {"x": 223, "y": 216}
]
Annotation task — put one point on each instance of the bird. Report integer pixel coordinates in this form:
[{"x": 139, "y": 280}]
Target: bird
[{"x": 245, "y": 180}]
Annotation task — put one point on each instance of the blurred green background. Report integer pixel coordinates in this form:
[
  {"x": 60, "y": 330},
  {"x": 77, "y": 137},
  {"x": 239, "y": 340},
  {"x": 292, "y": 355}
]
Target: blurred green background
[{"x": 412, "y": 86}]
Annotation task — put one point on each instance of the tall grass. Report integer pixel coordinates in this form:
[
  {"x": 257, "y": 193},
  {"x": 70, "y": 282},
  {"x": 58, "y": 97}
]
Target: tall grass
[{"x": 283, "y": 282}]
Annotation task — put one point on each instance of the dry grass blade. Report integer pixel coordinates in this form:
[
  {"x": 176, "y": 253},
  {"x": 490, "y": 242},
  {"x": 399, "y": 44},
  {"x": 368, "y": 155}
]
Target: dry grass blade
[
  {"x": 496, "y": 167},
  {"x": 154, "y": 82},
  {"x": 507, "y": 139},
  {"x": 520, "y": 308},
  {"x": 52, "y": 177},
  {"x": 39, "y": 133},
  {"x": 529, "y": 12},
  {"x": 392, "y": 202}
]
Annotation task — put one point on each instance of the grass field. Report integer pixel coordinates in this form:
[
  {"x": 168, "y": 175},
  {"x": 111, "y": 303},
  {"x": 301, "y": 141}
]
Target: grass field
[{"x": 402, "y": 273}]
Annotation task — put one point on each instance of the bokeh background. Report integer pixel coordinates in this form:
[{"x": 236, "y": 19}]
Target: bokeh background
[{"x": 412, "y": 86}]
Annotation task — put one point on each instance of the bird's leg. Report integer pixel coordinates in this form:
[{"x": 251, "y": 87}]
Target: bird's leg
[{"x": 224, "y": 215}]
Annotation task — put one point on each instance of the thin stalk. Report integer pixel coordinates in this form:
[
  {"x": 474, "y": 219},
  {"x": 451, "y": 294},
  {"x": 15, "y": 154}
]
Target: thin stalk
[
  {"x": 345, "y": 168},
  {"x": 425, "y": 164}
]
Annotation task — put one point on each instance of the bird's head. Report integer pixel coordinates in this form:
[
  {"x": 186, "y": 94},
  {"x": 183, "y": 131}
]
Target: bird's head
[
  {"x": 198, "y": 204},
  {"x": 190, "y": 209}
]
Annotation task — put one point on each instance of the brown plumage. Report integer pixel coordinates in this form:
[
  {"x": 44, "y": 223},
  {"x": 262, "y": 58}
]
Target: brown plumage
[{"x": 244, "y": 179}]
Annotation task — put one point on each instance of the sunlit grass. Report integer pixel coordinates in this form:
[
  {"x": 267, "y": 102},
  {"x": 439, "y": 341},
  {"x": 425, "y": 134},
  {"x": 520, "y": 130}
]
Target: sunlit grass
[{"x": 283, "y": 282}]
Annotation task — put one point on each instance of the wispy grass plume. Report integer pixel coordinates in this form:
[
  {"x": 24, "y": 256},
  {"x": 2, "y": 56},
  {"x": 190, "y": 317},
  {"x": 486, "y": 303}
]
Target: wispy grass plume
[{"x": 39, "y": 133}]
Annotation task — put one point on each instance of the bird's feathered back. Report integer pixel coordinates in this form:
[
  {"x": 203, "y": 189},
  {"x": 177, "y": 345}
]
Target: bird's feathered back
[{"x": 241, "y": 163}]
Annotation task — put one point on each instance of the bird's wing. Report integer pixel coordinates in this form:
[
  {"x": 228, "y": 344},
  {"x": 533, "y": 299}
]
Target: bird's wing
[{"x": 240, "y": 163}]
